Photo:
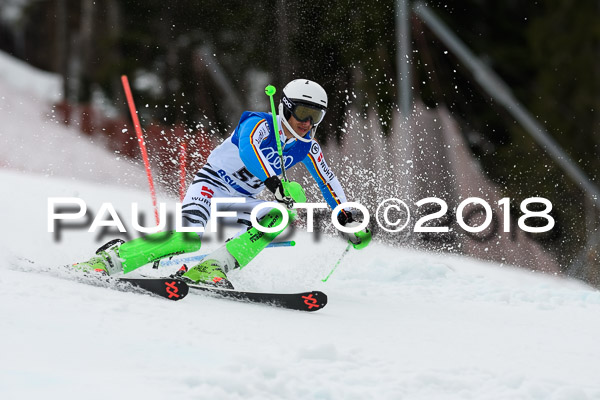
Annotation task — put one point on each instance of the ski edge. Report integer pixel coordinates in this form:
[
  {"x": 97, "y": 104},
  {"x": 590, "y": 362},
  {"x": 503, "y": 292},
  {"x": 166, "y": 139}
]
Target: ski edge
[
  {"x": 302, "y": 301},
  {"x": 176, "y": 289}
]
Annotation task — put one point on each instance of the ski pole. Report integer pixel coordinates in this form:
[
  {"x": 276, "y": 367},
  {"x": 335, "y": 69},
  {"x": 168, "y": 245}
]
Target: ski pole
[
  {"x": 270, "y": 91},
  {"x": 287, "y": 243},
  {"x": 338, "y": 261}
]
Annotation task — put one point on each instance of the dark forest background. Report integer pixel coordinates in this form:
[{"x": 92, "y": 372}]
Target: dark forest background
[{"x": 548, "y": 52}]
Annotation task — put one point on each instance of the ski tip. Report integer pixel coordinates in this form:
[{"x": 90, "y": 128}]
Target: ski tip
[
  {"x": 169, "y": 288},
  {"x": 175, "y": 289},
  {"x": 314, "y": 301}
]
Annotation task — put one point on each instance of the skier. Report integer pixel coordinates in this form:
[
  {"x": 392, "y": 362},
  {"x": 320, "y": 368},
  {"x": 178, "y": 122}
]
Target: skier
[{"x": 242, "y": 166}]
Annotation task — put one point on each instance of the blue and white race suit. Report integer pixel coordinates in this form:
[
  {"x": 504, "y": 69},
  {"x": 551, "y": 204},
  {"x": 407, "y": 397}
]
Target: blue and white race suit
[{"x": 239, "y": 166}]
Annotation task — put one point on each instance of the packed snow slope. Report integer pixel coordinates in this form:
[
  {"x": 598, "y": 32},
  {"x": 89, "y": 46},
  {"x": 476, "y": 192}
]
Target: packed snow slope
[{"x": 399, "y": 324}]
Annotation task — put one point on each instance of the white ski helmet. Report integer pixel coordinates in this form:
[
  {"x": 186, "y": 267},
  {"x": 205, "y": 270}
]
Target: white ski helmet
[{"x": 305, "y": 100}]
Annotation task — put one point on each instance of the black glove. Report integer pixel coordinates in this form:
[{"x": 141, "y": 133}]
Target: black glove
[
  {"x": 360, "y": 239},
  {"x": 274, "y": 185},
  {"x": 346, "y": 216}
]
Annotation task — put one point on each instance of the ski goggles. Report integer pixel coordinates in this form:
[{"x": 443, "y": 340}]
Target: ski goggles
[{"x": 304, "y": 112}]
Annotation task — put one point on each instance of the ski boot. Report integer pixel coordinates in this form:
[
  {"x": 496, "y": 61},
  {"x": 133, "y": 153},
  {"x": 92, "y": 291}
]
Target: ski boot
[
  {"x": 106, "y": 261},
  {"x": 212, "y": 270}
]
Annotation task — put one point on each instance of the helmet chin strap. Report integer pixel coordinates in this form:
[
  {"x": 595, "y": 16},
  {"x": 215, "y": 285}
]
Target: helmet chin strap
[{"x": 287, "y": 125}]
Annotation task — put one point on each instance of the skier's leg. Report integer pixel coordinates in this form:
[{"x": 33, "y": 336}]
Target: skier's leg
[
  {"x": 247, "y": 245},
  {"x": 116, "y": 256},
  {"x": 238, "y": 251}
]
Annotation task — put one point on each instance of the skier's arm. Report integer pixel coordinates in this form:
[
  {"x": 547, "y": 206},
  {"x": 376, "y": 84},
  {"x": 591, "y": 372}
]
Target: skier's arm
[
  {"x": 328, "y": 183},
  {"x": 251, "y": 134},
  {"x": 334, "y": 195}
]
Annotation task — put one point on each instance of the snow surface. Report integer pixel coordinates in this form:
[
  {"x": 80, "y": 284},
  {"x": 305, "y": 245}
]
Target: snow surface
[{"x": 400, "y": 324}]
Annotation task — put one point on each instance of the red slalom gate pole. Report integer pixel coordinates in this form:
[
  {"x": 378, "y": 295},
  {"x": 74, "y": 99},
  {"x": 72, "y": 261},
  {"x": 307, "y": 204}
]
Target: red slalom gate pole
[
  {"x": 182, "y": 169},
  {"x": 141, "y": 142}
]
